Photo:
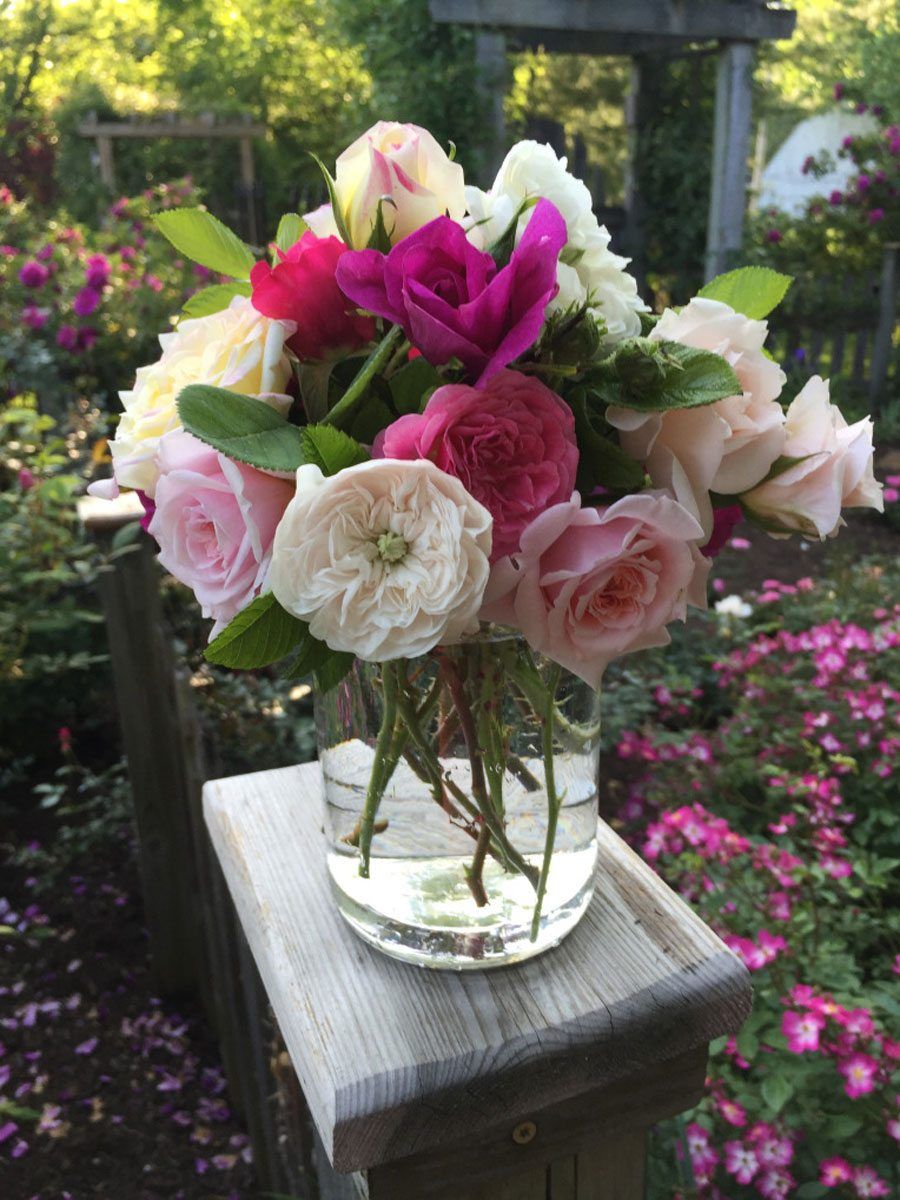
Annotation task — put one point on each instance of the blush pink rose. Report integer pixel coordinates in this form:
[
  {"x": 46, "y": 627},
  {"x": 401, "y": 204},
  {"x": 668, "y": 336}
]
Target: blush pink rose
[
  {"x": 835, "y": 470},
  {"x": 511, "y": 444},
  {"x": 725, "y": 447},
  {"x": 590, "y": 584},
  {"x": 301, "y": 287},
  {"x": 214, "y": 523}
]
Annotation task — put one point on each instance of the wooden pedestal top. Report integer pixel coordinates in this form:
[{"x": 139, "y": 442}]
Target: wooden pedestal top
[{"x": 395, "y": 1060}]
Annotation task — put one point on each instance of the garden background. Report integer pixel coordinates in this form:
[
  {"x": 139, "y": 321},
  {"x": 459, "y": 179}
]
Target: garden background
[{"x": 760, "y": 777}]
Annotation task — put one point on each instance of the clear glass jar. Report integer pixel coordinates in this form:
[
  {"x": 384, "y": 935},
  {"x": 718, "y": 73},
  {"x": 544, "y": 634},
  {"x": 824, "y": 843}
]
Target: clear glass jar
[{"x": 461, "y": 802}]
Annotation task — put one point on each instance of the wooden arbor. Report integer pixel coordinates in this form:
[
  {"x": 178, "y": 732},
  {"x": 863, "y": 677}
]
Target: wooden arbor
[{"x": 638, "y": 28}]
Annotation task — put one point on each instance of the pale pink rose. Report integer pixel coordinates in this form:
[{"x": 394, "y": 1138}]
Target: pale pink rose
[
  {"x": 401, "y": 164},
  {"x": 591, "y": 584},
  {"x": 725, "y": 447},
  {"x": 511, "y": 444},
  {"x": 836, "y": 472},
  {"x": 214, "y": 522}
]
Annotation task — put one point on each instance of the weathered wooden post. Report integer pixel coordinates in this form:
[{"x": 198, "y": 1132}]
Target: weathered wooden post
[
  {"x": 882, "y": 346},
  {"x": 731, "y": 148},
  {"x": 531, "y": 1082}
]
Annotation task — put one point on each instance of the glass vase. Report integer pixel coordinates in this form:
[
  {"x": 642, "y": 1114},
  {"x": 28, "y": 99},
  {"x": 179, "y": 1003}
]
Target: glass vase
[{"x": 461, "y": 802}]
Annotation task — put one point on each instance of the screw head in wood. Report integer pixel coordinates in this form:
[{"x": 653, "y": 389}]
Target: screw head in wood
[{"x": 524, "y": 1133}]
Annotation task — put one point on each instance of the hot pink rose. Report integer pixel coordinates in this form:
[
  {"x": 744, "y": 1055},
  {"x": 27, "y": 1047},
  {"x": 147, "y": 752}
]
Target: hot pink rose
[
  {"x": 590, "y": 584},
  {"x": 214, "y": 522},
  {"x": 301, "y": 287},
  {"x": 511, "y": 444}
]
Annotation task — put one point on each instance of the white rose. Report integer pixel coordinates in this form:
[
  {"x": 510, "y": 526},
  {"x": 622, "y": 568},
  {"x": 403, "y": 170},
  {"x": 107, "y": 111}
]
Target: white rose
[
  {"x": 596, "y": 276},
  {"x": 725, "y": 447},
  {"x": 237, "y": 348},
  {"x": 385, "y": 560},
  {"x": 733, "y": 606},
  {"x": 836, "y": 470},
  {"x": 400, "y": 163}
]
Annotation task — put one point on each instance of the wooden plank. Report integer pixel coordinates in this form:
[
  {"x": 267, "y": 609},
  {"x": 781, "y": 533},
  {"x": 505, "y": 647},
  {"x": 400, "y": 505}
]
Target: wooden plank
[
  {"x": 559, "y": 1133},
  {"x": 859, "y": 355},
  {"x": 492, "y": 69},
  {"x": 837, "y": 353},
  {"x": 106, "y": 516},
  {"x": 640, "y": 979},
  {"x": 613, "y": 1170},
  {"x": 882, "y": 346},
  {"x": 670, "y": 18},
  {"x": 562, "y": 1179},
  {"x": 731, "y": 147}
]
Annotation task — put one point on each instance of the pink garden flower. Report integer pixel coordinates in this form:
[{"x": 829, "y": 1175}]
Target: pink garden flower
[
  {"x": 802, "y": 1030},
  {"x": 835, "y": 1171},
  {"x": 868, "y": 1183},
  {"x": 741, "y": 1161},
  {"x": 511, "y": 444},
  {"x": 86, "y": 301},
  {"x": 33, "y": 274},
  {"x": 301, "y": 286},
  {"x": 214, "y": 521},
  {"x": 451, "y": 299},
  {"x": 588, "y": 584},
  {"x": 859, "y": 1071}
]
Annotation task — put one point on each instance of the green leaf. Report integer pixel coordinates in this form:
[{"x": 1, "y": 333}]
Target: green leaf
[
  {"x": 651, "y": 376},
  {"x": 261, "y": 634},
  {"x": 204, "y": 239},
  {"x": 311, "y": 654},
  {"x": 753, "y": 291},
  {"x": 747, "y": 1044},
  {"x": 843, "y": 1126},
  {"x": 776, "y": 1091},
  {"x": 409, "y": 385},
  {"x": 601, "y": 463},
  {"x": 330, "y": 449},
  {"x": 241, "y": 427},
  {"x": 212, "y": 299},
  {"x": 314, "y": 380},
  {"x": 291, "y": 228},
  {"x": 812, "y": 1190},
  {"x": 343, "y": 232},
  {"x": 332, "y": 671},
  {"x": 373, "y": 364}
]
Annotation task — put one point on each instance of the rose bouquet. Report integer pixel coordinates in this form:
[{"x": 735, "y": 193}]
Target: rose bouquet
[{"x": 434, "y": 447}]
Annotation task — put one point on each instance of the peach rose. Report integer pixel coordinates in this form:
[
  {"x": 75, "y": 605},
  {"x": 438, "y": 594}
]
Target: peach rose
[
  {"x": 589, "y": 584},
  {"x": 403, "y": 164},
  {"x": 725, "y": 447},
  {"x": 836, "y": 471}
]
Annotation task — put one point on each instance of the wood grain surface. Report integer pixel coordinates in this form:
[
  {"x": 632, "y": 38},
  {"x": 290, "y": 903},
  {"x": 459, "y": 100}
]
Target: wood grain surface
[{"x": 397, "y": 1061}]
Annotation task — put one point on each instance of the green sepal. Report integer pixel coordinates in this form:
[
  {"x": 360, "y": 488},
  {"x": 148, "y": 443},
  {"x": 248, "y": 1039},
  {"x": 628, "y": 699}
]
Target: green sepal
[{"x": 343, "y": 232}]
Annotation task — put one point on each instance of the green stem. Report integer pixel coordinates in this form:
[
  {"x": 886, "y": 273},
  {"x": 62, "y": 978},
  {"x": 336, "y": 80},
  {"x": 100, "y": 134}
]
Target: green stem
[
  {"x": 529, "y": 680},
  {"x": 382, "y": 767},
  {"x": 554, "y": 802},
  {"x": 364, "y": 377}
]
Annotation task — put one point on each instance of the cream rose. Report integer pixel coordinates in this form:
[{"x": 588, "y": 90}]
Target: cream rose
[
  {"x": 836, "y": 471},
  {"x": 402, "y": 164},
  {"x": 595, "y": 275},
  {"x": 386, "y": 559},
  {"x": 725, "y": 447},
  {"x": 237, "y": 348}
]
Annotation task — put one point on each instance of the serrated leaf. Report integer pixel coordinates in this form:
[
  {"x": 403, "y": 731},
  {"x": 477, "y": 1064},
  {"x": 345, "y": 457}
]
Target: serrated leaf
[
  {"x": 651, "y": 376},
  {"x": 601, "y": 463},
  {"x": 241, "y": 427},
  {"x": 311, "y": 654},
  {"x": 343, "y": 232},
  {"x": 213, "y": 299},
  {"x": 205, "y": 240},
  {"x": 330, "y": 449},
  {"x": 291, "y": 228},
  {"x": 776, "y": 1091},
  {"x": 261, "y": 634},
  {"x": 332, "y": 671},
  {"x": 411, "y": 382},
  {"x": 753, "y": 291},
  {"x": 378, "y": 359}
]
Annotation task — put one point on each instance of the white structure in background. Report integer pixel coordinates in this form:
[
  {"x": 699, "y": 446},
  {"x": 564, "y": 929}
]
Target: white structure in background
[{"x": 784, "y": 186}]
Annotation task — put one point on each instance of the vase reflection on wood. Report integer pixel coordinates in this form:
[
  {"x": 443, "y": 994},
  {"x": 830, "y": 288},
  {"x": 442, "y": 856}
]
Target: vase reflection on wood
[{"x": 461, "y": 802}]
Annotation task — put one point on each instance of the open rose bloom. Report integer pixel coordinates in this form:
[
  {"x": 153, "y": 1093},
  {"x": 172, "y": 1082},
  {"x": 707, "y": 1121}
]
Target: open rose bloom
[{"x": 433, "y": 445}]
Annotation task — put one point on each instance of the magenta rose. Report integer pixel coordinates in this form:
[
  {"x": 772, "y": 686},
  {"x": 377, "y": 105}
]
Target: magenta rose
[
  {"x": 214, "y": 523},
  {"x": 450, "y": 298},
  {"x": 301, "y": 287},
  {"x": 511, "y": 444},
  {"x": 589, "y": 584}
]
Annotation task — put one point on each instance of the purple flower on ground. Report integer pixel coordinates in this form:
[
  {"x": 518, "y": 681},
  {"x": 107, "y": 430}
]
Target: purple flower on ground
[
  {"x": 863, "y": 183},
  {"x": 451, "y": 299},
  {"x": 87, "y": 1047},
  {"x": 96, "y": 272},
  {"x": 86, "y": 301},
  {"x": 33, "y": 274},
  {"x": 861, "y": 106},
  {"x": 774, "y": 235},
  {"x": 876, "y": 215},
  {"x": 66, "y": 337},
  {"x": 838, "y": 91},
  {"x": 7, "y": 1130},
  {"x": 836, "y": 198}
]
